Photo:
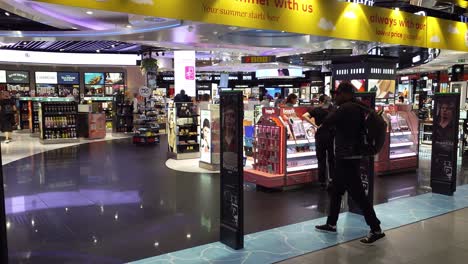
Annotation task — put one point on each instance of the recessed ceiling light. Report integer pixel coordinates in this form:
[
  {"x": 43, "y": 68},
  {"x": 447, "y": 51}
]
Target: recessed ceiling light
[
  {"x": 282, "y": 31},
  {"x": 74, "y": 28},
  {"x": 98, "y": 51},
  {"x": 7, "y": 14},
  {"x": 89, "y": 12},
  {"x": 113, "y": 46},
  {"x": 129, "y": 26}
]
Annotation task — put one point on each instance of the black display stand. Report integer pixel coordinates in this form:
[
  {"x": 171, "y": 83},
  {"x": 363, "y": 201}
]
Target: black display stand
[
  {"x": 3, "y": 231},
  {"x": 367, "y": 163},
  {"x": 445, "y": 143},
  {"x": 123, "y": 116},
  {"x": 232, "y": 173}
]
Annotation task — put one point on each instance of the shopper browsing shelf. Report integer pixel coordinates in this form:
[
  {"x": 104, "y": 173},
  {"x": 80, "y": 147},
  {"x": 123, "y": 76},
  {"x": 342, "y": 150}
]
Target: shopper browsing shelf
[
  {"x": 7, "y": 115},
  {"x": 291, "y": 101},
  {"x": 348, "y": 121},
  {"x": 182, "y": 97},
  {"x": 323, "y": 140}
]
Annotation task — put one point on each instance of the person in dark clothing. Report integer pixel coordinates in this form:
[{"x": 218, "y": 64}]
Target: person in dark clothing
[
  {"x": 182, "y": 97},
  {"x": 7, "y": 116},
  {"x": 323, "y": 141},
  {"x": 348, "y": 123}
]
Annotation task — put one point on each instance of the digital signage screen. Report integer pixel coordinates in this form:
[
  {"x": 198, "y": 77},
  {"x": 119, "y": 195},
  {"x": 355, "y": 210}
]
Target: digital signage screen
[
  {"x": 114, "y": 78},
  {"x": 94, "y": 78},
  {"x": 384, "y": 89},
  {"x": 46, "y": 78},
  {"x": 3, "y": 77},
  {"x": 68, "y": 78},
  {"x": 17, "y": 77},
  {"x": 359, "y": 85}
]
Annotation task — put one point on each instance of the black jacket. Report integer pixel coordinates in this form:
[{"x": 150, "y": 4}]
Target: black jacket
[{"x": 348, "y": 121}]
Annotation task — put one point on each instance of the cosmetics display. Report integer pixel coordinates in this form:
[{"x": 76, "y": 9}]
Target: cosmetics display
[
  {"x": 283, "y": 149},
  {"x": 402, "y": 145}
]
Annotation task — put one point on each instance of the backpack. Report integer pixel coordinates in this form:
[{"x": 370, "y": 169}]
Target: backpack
[
  {"x": 7, "y": 108},
  {"x": 375, "y": 131}
]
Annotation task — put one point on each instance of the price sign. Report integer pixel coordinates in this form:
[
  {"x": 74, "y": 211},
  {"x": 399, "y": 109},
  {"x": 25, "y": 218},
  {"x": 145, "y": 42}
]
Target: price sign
[{"x": 145, "y": 91}]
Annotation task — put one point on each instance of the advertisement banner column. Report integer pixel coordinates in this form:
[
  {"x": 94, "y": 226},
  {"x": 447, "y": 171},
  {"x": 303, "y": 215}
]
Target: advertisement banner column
[
  {"x": 184, "y": 72},
  {"x": 367, "y": 163},
  {"x": 232, "y": 169},
  {"x": 445, "y": 143}
]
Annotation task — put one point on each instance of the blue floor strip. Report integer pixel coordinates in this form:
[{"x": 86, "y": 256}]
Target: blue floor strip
[{"x": 294, "y": 240}]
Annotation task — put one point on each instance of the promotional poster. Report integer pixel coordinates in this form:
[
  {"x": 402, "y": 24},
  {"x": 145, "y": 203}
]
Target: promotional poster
[
  {"x": 205, "y": 136},
  {"x": 384, "y": 89},
  {"x": 232, "y": 213},
  {"x": 445, "y": 143}
]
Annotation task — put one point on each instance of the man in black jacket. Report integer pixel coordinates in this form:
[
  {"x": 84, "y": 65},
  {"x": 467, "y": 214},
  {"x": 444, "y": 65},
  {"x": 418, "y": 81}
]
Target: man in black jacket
[
  {"x": 348, "y": 122},
  {"x": 182, "y": 97}
]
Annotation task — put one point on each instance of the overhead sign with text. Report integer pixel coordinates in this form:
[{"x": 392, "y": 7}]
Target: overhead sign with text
[
  {"x": 2, "y": 76},
  {"x": 46, "y": 77},
  {"x": 258, "y": 59},
  {"x": 184, "y": 71},
  {"x": 319, "y": 17}
]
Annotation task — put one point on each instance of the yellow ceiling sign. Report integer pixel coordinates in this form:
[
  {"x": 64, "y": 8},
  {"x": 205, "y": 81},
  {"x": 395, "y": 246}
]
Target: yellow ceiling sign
[
  {"x": 315, "y": 17},
  {"x": 444, "y": 34}
]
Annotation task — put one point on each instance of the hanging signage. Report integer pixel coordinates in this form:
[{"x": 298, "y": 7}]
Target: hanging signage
[
  {"x": 205, "y": 136},
  {"x": 258, "y": 59},
  {"x": 145, "y": 92},
  {"x": 3, "y": 77},
  {"x": 68, "y": 78},
  {"x": 232, "y": 169},
  {"x": 184, "y": 72},
  {"x": 17, "y": 77},
  {"x": 320, "y": 18},
  {"x": 445, "y": 143},
  {"x": 46, "y": 78}
]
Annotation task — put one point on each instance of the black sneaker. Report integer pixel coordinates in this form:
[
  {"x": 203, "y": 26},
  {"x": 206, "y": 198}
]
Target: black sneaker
[
  {"x": 372, "y": 237},
  {"x": 326, "y": 228}
]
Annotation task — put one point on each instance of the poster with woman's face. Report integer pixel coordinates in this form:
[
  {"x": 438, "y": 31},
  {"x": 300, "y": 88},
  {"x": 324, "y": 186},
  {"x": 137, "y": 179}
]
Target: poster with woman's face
[{"x": 205, "y": 136}]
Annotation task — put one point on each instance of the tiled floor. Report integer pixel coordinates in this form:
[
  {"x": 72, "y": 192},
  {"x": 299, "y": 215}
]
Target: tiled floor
[
  {"x": 298, "y": 239},
  {"x": 438, "y": 240}
]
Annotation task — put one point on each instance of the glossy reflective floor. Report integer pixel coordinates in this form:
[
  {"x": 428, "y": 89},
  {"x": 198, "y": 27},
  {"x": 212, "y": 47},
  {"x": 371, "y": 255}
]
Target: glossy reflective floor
[{"x": 112, "y": 202}]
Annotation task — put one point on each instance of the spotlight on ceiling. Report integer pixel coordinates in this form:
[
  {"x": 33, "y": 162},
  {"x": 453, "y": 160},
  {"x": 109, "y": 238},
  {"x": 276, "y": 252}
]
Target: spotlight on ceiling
[
  {"x": 89, "y": 12},
  {"x": 7, "y": 14},
  {"x": 98, "y": 51}
]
